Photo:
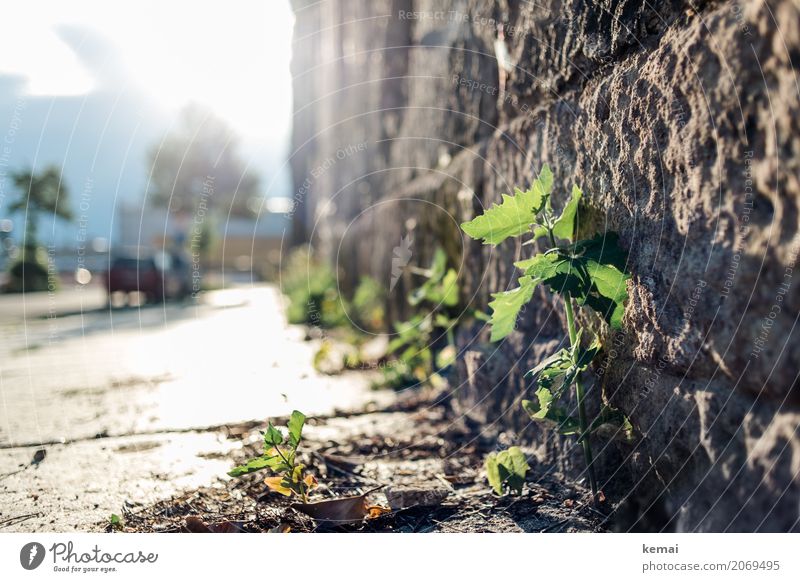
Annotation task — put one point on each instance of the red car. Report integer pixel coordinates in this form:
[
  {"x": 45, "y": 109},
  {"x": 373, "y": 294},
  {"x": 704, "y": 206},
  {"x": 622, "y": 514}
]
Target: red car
[
  {"x": 131, "y": 274},
  {"x": 156, "y": 280}
]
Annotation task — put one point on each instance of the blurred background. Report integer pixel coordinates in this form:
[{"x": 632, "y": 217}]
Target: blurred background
[
  {"x": 141, "y": 128},
  {"x": 144, "y": 197}
]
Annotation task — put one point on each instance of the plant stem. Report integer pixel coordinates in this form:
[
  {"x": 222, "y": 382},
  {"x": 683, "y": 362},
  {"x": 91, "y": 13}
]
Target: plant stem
[
  {"x": 587, "y": 447},
  {"x": 291, "y": 472},
  {"x": 573, "y": 339}
]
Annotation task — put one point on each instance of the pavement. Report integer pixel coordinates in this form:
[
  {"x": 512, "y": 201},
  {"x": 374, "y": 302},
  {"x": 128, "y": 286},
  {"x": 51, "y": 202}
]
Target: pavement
[{"x": 128, "y": 404}]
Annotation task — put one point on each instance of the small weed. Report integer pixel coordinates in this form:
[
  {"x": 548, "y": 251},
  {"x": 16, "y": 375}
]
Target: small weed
[
  {"x": 280, "y": 457},
  {"x": 311, "y": 287},
  {"x": 507, "y": 470},
  {"x": 115, "y": 522},
  {"x": 417, "y": 345},
  {"x": 589, "y": 272},
  {"x": 368, "y": 306}
]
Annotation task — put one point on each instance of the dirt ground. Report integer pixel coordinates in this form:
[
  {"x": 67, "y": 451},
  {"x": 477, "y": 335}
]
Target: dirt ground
[
  {"x": 141, "y": 413},
  {"x": 413, "y": 457}
]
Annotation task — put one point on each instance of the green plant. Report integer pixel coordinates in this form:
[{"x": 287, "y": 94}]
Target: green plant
[
  {"x": 506, "y": 470},
  {"x": 368, "y": 304},
  {"x": 417, "y": 344},
  {"x": 280, "y": 457},
  {"x": 589, "y": 272},
  {"x": 115, "y": 522},
  {"x": 312, "y": 290}
]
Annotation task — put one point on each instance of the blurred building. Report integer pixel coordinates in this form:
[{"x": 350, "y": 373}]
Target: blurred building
[{"x": 226, "y": 243}]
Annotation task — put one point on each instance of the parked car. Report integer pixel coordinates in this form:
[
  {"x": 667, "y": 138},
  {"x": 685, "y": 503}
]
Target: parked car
[{"x": 158, "y": 277}]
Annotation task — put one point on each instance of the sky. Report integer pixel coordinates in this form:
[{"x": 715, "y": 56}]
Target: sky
[{"x": 91, "y": 85}]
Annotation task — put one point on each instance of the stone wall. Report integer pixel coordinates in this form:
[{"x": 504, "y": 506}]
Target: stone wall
[{"x": 680, "y": 121}]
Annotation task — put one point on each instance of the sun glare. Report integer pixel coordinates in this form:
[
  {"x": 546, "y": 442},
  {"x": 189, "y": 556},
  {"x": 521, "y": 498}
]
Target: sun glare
[{"x": 231, "y": 57}]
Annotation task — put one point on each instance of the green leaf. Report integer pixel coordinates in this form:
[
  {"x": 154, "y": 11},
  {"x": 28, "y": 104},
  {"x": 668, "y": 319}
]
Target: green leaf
[
  {"x": 611, "y": 294},
  {"x": 541, "y": 266},
  {"x": 441, "y": 285},
  {"x": 549, "y": 414},
  {"x": 506, "y": 307},
  {"x": 443, "y": 292},
  {"x": 441, "y": 320},
  {"x": 115, "y": 521},
  {"x": 554, "y": 375},
  {"x": 295, "y": 426},
  {"x": 493, "y": 473},
  {"x": 514, "y": 215},
  {"x": 438, "y": 265},
  {"x": 446, "y": 357},
  {"x": 603, "y": 249},
  {"x": 557, "y": 270},
  {"x": 544, "y": 183},
  {"x": 584, "y": 356},
  {"x": 257, "y": 464},
  {"x": 591, "y": 271},
  {"x": 507, "y": 469},
  {"x": 449, "y": 289},
  {"x": 481, "y": 316},
  {"x": 552, "y": 368},
  {"x": 273, "y": 437},
  {"x": 565, "y": 225},
  {"x": 413, "y": 330},
  {"x": 564, "y": 366}
]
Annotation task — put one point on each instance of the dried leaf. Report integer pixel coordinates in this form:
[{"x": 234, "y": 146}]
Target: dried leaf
[
  {"x": 276, "y": 484},
  {"x": 194, "y": 524},
  {"x": 377, "y": 511},
  {"x": 341, "y": 510},
  {"x": 227, "y": 527}
]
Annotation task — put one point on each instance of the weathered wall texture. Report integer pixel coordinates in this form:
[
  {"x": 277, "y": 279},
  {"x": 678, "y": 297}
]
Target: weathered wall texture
[{"x": 681, "y": 122}]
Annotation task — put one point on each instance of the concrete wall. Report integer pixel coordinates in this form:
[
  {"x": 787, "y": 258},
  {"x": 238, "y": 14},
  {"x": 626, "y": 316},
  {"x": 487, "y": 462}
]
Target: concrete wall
[{"x": 681, "y": 122}]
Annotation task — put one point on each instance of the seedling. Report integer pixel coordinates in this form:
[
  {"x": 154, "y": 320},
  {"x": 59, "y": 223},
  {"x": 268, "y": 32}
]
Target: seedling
[
  {"x": 507, "y": 470},
  {"x": 589, "y": 272},
  {"x": 280, "y": 457},
  {"x": 115, "y": 522}
]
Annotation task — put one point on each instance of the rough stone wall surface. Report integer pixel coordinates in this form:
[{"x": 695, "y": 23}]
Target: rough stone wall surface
[{"x": 680, "y": 121}]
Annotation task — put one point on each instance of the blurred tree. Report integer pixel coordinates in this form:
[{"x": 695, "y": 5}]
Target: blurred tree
[
  {"x": 203, "y": 241},
  {"x": 39, "y": 194},
  {"x": 42, "y": 193},
  {"x": 199, "y": 163}
]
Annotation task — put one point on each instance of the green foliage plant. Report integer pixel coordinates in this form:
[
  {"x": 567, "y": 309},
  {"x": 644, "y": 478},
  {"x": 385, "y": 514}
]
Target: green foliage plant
[
  {"x": 506, "y": 470},
  {"x": 416, "y": 358},
  {"x": 588, "y": 273},
  {"x": 367, "y": 307},
  {"x": 311, "y": 288},
  {"x": 280, "y": 457}
]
